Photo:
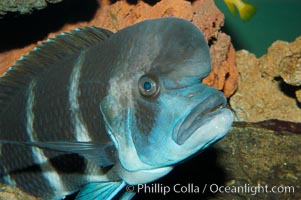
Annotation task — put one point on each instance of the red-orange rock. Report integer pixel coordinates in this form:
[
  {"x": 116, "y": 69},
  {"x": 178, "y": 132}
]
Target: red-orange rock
[
  {"x": 203, "y": 13},
  {"x": 8, "y": 58},
  {"x": 224, "y": 74}
]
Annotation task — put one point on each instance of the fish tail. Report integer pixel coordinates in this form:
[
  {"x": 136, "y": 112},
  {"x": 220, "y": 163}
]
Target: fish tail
[
  {"x": 246, "y": 11},
  {"x": 231, "y": 6}
]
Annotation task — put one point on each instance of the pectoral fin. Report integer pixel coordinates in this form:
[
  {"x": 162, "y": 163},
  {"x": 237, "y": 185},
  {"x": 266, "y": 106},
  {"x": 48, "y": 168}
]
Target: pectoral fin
[
  {"x": 127, "y": 196},
  {"x": 100, "y": 191},
  {"x": 101, "y": 154}
]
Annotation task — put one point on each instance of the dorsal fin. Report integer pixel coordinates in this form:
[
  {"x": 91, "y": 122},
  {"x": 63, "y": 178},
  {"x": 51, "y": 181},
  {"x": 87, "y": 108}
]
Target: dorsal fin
[
  {"x": 70, "y": 43},
  {"x": 65, "y": 44}
]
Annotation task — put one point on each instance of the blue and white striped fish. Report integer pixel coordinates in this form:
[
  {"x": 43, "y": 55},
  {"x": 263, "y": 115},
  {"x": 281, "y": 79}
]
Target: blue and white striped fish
[{"x": 92, "y": 111}]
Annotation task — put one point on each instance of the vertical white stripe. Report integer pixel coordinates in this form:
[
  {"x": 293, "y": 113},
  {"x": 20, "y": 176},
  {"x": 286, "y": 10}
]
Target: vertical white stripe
[
  {"x": 81, "y": 131},
  {"x": 49, "y": 173}
]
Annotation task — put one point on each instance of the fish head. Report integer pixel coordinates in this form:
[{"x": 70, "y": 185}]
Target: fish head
[{"x": 157, "y": 111}]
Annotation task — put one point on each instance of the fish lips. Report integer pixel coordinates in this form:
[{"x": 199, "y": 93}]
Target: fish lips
[{"x": 199, "y": 116}]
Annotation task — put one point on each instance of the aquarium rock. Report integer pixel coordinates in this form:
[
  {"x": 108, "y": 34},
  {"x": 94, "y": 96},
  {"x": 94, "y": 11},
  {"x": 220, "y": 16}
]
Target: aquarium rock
[
  {"x": 115, "y": 16},
  {"x": 224, "y": 74},
  {"x": 266, "y": 153},
  {"x": 268, "y": 85},
  {"x": 23, "y": 7},
  {"x": 290, "y": 68}
]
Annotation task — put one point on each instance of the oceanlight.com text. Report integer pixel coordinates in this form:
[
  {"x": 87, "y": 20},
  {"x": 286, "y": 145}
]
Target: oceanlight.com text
[
  {"x": 253, "y": 190},
  {"x": 191, "y": 188}
]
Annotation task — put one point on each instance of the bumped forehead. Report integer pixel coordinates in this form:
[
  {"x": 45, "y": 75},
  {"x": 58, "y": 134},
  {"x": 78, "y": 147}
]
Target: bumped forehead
[{"x": 167, "y": 45}]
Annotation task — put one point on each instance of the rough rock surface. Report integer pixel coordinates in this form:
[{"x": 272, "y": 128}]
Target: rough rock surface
[
  {"x": 224, "y": 74},
  {"x": 23, "y": 7},
  {"x": 203, "y": 13},
  {"x": 265, "y": 153},
  {"x": 290, "y": 68},
  {"x": 268, "y": 86}
]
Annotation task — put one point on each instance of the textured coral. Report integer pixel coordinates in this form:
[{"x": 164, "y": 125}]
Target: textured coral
[
  {"x": 268, "y": 85},
  {"x": 203, "y": 13},
  {"x": 224, "y": 74},
  {"x": 23, "y": 7}
]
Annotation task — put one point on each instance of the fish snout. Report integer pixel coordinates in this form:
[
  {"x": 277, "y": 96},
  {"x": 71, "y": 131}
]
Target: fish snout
[{"x": 198, "y": 116}]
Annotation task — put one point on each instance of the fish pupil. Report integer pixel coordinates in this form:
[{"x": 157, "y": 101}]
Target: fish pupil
[{"x": 147, "y": 86}]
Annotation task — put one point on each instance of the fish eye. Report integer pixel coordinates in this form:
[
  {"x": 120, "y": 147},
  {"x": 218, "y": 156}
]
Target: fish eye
[{"x": 147, "y": 86}]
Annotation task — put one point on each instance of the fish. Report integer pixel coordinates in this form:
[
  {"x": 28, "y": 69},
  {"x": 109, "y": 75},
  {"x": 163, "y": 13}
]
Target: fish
[
  {"x": 91, "y": 111},
  {"x": 246, "y": 11}
]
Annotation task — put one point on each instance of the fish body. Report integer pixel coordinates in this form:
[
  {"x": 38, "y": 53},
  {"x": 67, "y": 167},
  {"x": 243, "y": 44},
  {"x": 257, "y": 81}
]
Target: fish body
[{"x": 92, "y": 111}]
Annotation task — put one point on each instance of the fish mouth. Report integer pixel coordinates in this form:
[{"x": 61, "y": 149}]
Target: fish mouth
[{"x": 200, "y": 115}]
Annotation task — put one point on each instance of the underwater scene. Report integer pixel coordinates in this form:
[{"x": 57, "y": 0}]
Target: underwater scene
[{"x": 150, "y": 99}]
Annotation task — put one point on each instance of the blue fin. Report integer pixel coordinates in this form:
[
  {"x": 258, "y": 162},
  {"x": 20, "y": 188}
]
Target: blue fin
[
  {"x": 100, "y": 191},
  {"x": 127, "y": 196},
  {"x": 101, "y": 154}
]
